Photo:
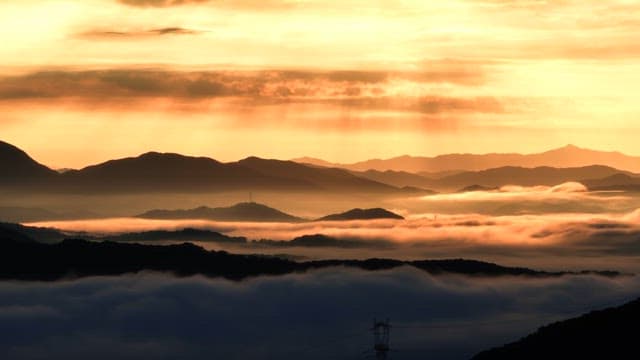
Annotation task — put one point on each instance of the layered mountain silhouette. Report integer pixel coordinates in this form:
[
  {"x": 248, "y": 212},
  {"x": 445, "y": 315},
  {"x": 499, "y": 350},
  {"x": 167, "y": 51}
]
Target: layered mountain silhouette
[
  {"x": 26, "y": 260},
  {"x": 163, "y": 172},
  {"x": 567, "y": 156},
  {"x": 362, "y": 214},
  {"x": 598, "y": 176},
  {"x": 168, "y": 172},
  {"x": 248, "y": 211},
  {"x": 604, "y": 334}
]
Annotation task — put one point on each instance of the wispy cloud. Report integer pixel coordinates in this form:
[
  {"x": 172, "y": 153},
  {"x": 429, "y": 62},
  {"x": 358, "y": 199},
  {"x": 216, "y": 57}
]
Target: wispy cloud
[{"x": 128, "y": 34}]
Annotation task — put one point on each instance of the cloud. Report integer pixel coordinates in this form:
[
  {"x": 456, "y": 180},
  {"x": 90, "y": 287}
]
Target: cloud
[
  {"x": 567, "y": 191},
  {"x": 552, "y": 241},
  {"x": 324, "y": 314},
  {"x": 345, "y": 90},
  {"x": 160, "y": 3},
  {"x": 235, "y": 4},
  {"x": 129, "y": 34}
]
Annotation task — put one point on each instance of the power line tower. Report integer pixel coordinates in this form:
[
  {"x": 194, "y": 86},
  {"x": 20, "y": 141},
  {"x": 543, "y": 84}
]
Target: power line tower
[{"x": 381, "y": 330}]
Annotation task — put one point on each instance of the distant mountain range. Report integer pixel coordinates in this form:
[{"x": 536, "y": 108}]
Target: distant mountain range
[
  {"x": 568, "y": 156},
  {"x": 596, "y": 176},
  {"x": 604, "y": 334},
  {"x": 165, "y": 172}
]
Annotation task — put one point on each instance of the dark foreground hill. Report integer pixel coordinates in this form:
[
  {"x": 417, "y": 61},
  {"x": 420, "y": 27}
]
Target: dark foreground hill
[
  {"x": 604, "y": 334},
  {"x": 24, "y": 260},
  {"x": 248, "y": 211}
]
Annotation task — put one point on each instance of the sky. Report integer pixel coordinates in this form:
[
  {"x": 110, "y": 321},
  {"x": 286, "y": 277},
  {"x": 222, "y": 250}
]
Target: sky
[{"x": 86, "y": 81}]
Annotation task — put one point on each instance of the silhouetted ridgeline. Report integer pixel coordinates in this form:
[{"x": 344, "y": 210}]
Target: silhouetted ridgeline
[
  {"x": 249, "y": 211},
  {"x": 163, "y": 172},
  {"x": 605, "y": 334},
  {"x": 166, "y": 172},
  {"x": 25, "y": 260},
  {"x": 567, "y": 156},
  {"x": 362, "y": 214}
]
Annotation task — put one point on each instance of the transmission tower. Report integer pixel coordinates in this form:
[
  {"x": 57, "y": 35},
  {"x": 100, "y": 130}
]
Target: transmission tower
[{"x": 381, "y": 330}]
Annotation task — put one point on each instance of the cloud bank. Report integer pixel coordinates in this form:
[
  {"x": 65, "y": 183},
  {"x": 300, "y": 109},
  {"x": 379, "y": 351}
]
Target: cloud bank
[{"x": 314, "y": 316}]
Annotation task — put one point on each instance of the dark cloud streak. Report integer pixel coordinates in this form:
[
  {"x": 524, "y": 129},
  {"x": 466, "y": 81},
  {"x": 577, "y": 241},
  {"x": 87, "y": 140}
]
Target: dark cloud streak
[
  {"x": 115, "y": 35},
  {"x": 346, "y": 89}
]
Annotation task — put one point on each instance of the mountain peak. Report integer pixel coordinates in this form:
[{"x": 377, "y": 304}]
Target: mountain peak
[{"x": 21, "y": 165}]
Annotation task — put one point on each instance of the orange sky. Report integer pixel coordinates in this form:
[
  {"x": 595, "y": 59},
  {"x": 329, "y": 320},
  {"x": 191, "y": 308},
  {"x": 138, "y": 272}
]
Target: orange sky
[{"x": 85, "y": 81}]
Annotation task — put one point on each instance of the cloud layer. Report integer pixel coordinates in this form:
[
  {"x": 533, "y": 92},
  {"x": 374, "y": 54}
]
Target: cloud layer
[{"x": 314, "y": 316}]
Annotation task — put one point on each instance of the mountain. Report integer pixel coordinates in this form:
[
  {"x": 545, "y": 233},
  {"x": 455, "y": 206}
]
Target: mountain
[
  {"x": 476, "y": 187},
  {"x": 507, "y": 175},
  {"x": 11, "y": 231},
  {"x": 173, "y": 172},
  {"x": 322, "y": 178},
  {"x": 604, "y": 334},
  {"x": 511, "y": 175},
  {"x": 362, "y": 214},
  {"x": 188, "y": 234},
  {"x": 170, "y": 172},
  {"x": 395, "y": 178},
  {"x": 567, "y": 156},
  {"x": 19, "y": 168},
  {"x": 248, "y": 211},
  {"x": 614, "y": 182},
  {"x": 20, "y": 214}
]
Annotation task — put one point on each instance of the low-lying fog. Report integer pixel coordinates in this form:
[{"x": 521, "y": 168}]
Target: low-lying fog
[
  {"x": 564, "y": 227},
  {"x": 318, "y": 315},
  {"x": 552, "y": 241}
]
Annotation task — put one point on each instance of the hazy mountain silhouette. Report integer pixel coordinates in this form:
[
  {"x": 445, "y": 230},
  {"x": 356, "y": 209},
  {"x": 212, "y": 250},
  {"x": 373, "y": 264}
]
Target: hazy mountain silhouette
[
  {"x": 567, "y": 156},
  {"x": 187, "y": 234},
  {"x": 476, "y": 187},
  {"x": 362, "y": 214},
  {"x": 247, "y": 211},
  {"x": 321, "y": 240},
  {"x": 162, "y": 172},
  {"x": 320, "y": 177},
  {"x": 20, "y": 169},
  {"x": 11, "y": 231},
  {"x": 173, "y": 172},
  {"x": 24, "y": 260},
  {"x": 395, "y": 178},
  {"x": 19, "y": 214},
  {"x": 166, "y": 172},
  {"x": 510, "y": 175},
  {"x": 614, "y": 182},
  {"x": 604, "y": 334}
]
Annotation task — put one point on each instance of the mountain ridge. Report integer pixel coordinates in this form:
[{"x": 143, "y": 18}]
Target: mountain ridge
[{"x": 566, "y": 156}]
